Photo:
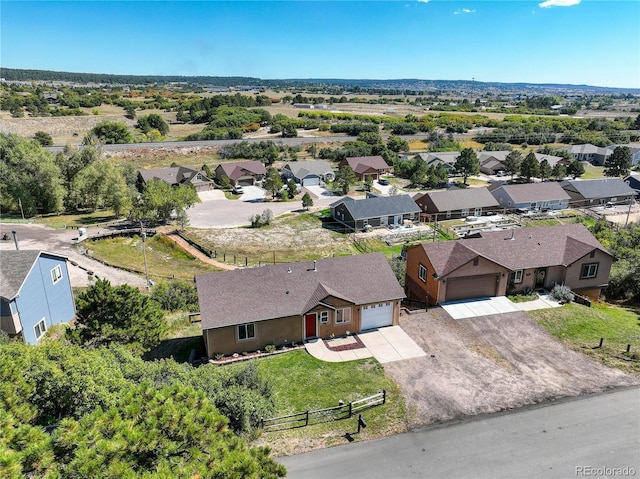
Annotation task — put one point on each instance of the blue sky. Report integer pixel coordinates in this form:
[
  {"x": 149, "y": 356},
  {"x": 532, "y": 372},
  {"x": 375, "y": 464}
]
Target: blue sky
[{"x": 554, "y": 41}]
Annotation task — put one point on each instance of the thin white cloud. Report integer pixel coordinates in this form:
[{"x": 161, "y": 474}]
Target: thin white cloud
[
  {"x": 423, "y": 1},
  {"x": 464, "y": 10},
  {"x": 558, "y": 3}
]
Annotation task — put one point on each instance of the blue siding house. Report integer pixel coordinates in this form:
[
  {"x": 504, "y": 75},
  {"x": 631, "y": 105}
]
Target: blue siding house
[{"x": 35, "y": 293}]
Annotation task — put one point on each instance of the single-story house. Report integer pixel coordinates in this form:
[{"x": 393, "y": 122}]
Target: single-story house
[
  {"x": 446, "y": 159},
  {"x": 500, "y": 262},
  {"x": 635, "y": 152},
  {"x": 552, "y": 159},
  {"x": 248, "y": 309},
  {"x": 35, "y": 293},
  {"x": 598, "y": 192},
  {"x": 174, "y": 176},
  {"x": 308, "y": 173},
  {"x": 363, "y": 166},
  {"x": 492, "y": 161},
  {"x": 591, "y": 153},
  {"x": 241, "y": 173},
  {"x": 534, "y": 196},
  {"x": 633, "y": 180},
  {"x": 374, "y": 211},
  {"x": 457, "y": 203}
]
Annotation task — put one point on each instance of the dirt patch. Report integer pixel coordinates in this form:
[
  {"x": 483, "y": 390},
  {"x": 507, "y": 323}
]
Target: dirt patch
[{"x": 489, "y": 364}]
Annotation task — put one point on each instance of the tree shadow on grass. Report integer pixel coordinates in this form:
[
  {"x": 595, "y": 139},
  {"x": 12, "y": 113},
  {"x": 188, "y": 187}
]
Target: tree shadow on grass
[{"x": 178, "y": 348}]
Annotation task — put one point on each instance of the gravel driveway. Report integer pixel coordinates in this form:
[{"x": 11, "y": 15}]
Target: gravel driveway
[
  {"x": 33, "y": 236},
  {"x": 488, "y": 364}
]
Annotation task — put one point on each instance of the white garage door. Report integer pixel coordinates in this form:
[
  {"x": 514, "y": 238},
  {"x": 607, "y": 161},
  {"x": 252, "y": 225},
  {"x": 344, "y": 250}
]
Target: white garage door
[
  {"x": 311, "y": 181},
  {"x": 377, "y": 315}
]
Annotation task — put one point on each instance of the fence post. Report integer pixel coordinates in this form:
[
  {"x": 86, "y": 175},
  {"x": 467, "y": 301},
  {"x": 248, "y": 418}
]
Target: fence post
[
  {"x": 384, "y": 396},
  {"x": 262, "y": 423},
  {"x": 245, "y": 261},
  {"x": 601, "y": 341},
  {"x": 350, "y": 409},
  {"x": 307, "y": 420}
]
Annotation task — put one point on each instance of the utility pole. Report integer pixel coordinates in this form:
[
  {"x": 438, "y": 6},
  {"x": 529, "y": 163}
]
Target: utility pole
[
  {"x": 629, "y": 211},
  {"x": 143, "y": 235}
]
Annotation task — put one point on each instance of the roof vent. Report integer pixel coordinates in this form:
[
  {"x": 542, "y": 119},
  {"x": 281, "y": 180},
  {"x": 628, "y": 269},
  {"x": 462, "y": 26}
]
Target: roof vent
[
  {"x": 289, "y": 270},
  {"x": 15, "y": 239},
  {"x": 314, "y": 266},
  {"x": 512, "y": 235}
]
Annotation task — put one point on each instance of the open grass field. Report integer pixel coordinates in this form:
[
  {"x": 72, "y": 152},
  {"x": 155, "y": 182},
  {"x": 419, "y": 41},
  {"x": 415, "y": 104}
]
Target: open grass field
[
  {"x": 164, "y": 259},
  {"x": 302, "y": 383},
  {"x": 581, "y": 328},
  {"x": 76, "y": 220},
  {"x": 592, "y": 172}
]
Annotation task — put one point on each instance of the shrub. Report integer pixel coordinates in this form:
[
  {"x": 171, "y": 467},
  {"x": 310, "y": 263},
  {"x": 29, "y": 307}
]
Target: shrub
[
  {"x": 562, "y": 293},
  {"x": 269, "y": 348}
]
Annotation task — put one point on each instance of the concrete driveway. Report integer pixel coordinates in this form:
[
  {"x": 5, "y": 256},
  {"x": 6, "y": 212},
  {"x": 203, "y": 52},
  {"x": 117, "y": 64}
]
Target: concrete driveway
[
  {"x": 252, "y": 193},
  {"x": 477, "y": 307},
  {"x": 385, "y": 344}
]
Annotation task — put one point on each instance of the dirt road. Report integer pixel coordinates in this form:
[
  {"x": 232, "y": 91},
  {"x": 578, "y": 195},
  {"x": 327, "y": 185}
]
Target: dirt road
[{"x": 488, "y": 364}]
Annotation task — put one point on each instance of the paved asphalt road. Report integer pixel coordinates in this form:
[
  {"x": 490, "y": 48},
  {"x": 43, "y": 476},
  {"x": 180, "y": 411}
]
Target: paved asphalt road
[{"x": 572, "y": 438}]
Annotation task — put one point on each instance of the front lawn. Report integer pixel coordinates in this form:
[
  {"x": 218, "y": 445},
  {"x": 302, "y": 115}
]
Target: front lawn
[
  {"x": 304, "y": 383},
  {"x": 581, "y": 328}
]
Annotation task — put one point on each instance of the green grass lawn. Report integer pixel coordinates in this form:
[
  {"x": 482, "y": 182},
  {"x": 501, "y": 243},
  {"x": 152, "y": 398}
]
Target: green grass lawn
[
  {"x": 164, "y": 258},
  {"x": 76, "y": 219},
  {"x": 582, "y": 327},
  {"x": 591, "y": 172},
  {"x": 304, "y": 383}
]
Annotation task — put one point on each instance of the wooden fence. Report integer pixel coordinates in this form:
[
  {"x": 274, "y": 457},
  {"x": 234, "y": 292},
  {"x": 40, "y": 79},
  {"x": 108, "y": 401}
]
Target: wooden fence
[{"x": 343, "y": 411}]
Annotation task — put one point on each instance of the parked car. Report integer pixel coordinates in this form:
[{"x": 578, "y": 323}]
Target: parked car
[
  {"x": 238, "y": 190},
  {"x": 383, "y": 181}
]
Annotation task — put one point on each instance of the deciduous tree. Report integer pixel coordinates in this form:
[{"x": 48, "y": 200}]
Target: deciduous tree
[{"x": 307, "y": 201}]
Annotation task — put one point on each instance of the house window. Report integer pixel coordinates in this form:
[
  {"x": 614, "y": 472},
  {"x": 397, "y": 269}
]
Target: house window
[
  {"x": 589, "y": 270},
  {"x": 40, "y": 329},
  {"x": 246, "y": 331},
  {"x": 516, "y": 276},
  {"x": 324, "y": 317},
  {"x": 343, "y": 315},
  {"x": 464, "y": 212},
  {"x": 56, "y": 274},
  {"x": 448, "y": 214},
  {"x": 475, "y": 261},
  {"x": 422, "y": 273},
  {"x": 593, "y": 254}
]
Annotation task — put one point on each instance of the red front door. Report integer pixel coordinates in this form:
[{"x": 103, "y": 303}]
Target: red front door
[{"x": 310, "y": 326}]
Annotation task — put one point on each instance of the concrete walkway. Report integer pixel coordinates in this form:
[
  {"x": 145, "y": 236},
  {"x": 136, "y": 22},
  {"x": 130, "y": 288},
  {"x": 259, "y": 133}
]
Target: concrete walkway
[
  {"x": 471, "y": 308},
  {"x": 385, "y": 344}
]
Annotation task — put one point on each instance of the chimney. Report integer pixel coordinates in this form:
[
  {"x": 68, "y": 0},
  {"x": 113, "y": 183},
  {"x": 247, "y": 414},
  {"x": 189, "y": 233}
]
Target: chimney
[
  {"x": 314, "y": 266},
  {"x": 289, "y": 270},
  {"x": 15, "y": 238}
]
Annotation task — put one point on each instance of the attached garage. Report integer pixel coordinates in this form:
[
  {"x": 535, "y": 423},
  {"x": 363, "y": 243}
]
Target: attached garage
[
  {"x": 377, "y": 315},
  {"x": 472, "y": 287},
  {"x": 311, "y": 180},
  {"x": 246, "y": 181}
]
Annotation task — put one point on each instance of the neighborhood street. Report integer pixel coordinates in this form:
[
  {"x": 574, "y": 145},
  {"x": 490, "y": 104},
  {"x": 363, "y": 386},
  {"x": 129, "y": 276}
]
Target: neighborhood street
[{"x": 593, "y": 436}]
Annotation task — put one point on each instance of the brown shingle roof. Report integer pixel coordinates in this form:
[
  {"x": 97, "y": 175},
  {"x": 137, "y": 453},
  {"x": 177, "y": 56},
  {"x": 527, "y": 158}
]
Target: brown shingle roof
[
  {"x": 268, "y": 292},
  {"x": 360, "y": 164},
  {"x": 237, "y": 169},
  {"x": 529, "y": 248}
]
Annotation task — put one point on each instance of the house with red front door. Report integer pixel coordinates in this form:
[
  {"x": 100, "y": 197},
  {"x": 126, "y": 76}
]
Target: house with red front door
[{"x": 248, "y": 309}]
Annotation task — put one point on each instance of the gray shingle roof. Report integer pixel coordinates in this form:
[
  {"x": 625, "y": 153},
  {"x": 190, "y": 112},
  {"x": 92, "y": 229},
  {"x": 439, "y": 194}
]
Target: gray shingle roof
[
  {"x": 530, "y": 248},
  {"x": 379, "y": 206},
  {"x": 532, "y": 192},
  {"x": 452, "y": 200},
  {"x": 600, "y": 188},
  {"x": 268, "y": 292},
  {"x": 15, "y": 266},
  {"x": 300, "y": 169}
]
